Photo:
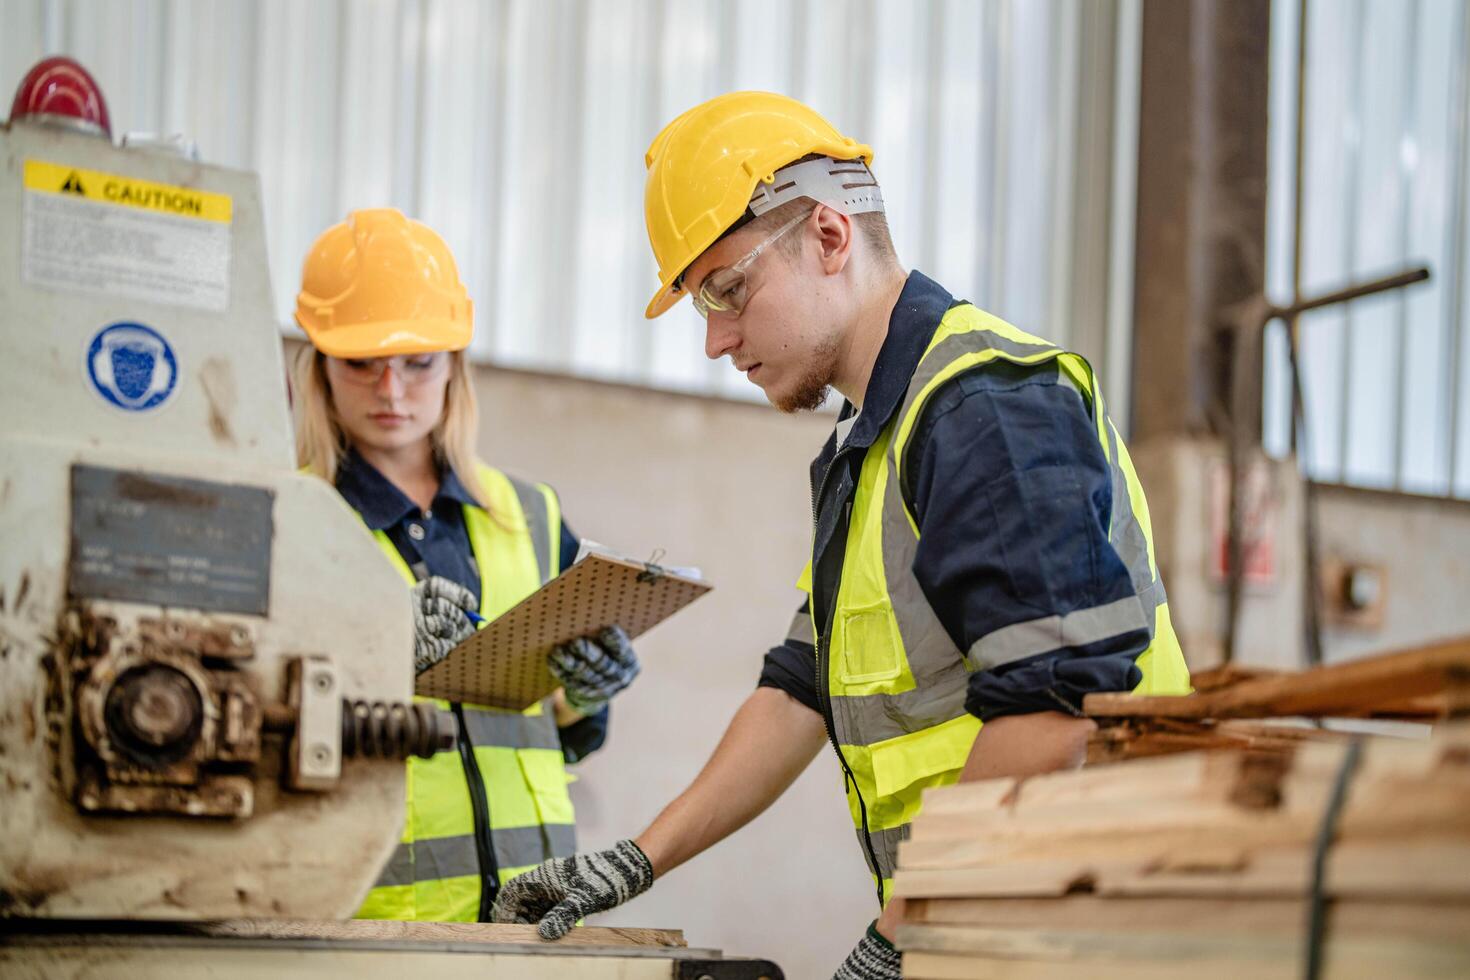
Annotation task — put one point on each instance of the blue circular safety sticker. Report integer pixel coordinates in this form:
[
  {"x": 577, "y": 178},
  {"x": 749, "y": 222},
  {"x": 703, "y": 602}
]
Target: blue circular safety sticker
[{"x": 132, "y": 366}]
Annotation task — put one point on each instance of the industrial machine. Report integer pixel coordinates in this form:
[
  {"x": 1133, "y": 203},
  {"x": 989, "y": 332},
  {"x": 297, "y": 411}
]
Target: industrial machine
[{"x": 205, "y": 670}]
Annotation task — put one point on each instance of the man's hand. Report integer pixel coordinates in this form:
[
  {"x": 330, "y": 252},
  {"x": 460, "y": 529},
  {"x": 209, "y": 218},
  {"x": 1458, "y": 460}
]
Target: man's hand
[
  {"x": 1028, "y": 745},
  {"x": 592, "y": 670},
  {"x": 439, "y": 620},
  {"x": 769, "y": 742},
  {"x": 874, "y": 958},
  {"x": 563, "y": 890}
]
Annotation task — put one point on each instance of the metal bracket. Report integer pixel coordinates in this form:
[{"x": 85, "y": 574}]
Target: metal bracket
[
  {"x": 314, "y": 693},
  {"x": 727, "y": 970}
]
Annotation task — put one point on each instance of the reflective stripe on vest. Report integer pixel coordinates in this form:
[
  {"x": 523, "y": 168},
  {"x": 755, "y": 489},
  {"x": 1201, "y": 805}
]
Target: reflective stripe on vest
[
  {"x": 897, "y": 682},
  {"x": 434, "y": 875}
]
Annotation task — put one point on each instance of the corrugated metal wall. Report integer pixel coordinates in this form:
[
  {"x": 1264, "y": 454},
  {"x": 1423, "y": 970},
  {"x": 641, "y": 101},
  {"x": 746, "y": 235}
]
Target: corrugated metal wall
[
  {"x": 517, "y": 129},
  {"x": 1387, "y": 116}
]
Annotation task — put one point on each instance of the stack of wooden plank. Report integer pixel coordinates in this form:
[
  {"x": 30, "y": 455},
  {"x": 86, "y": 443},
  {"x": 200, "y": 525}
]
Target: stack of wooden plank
[{"x": 1204, "y": 864}]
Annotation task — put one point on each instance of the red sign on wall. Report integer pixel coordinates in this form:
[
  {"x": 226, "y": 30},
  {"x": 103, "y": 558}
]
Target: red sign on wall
[{"x": 1260, "y": 509}]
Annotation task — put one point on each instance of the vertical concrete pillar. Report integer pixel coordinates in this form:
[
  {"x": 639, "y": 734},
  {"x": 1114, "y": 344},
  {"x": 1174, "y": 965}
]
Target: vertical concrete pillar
[{"x": 1201, "y": 231}]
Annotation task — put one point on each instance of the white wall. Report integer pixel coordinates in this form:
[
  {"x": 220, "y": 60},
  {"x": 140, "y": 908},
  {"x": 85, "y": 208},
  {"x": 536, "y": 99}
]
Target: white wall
[{"x": 1422, "y": 547}]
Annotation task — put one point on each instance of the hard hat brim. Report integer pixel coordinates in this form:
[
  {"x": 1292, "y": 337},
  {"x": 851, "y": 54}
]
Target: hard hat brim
[
  {"x": 389, "y": 338},
  {"x": 662, "y": 302}
]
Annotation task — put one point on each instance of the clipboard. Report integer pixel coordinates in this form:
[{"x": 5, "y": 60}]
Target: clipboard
[{"x": 503, "y": 665}]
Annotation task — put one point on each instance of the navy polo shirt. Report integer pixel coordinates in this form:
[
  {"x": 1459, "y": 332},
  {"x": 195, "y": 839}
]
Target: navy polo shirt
[
  {"x": 1013, "y": 497},
  {"x": 437, "y": 542}
]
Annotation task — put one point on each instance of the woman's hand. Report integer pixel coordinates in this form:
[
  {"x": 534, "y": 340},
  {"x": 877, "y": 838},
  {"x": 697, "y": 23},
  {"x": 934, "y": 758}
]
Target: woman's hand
[
  {"x": 440, "y": 619},
  {"x": 593, "y": 669}
]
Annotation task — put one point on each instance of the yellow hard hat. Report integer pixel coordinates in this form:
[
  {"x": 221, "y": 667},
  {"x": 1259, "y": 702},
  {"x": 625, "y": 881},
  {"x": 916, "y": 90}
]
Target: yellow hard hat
[
  {"x": 379, "y": 284},
  {"x": 704, "y": 166}
]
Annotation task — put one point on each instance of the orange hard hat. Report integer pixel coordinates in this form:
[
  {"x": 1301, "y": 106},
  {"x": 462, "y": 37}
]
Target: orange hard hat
[{"x": 379, "y": 284}]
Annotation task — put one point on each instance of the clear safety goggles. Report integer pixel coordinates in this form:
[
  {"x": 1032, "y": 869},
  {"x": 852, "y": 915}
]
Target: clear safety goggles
[
  {"x": 411, "y": 369},
  {"x": 724, "y": 290}
]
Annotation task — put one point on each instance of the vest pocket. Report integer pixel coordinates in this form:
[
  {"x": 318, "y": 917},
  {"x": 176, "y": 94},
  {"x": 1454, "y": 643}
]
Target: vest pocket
[
  {"x": 546, "y": 776},
  {"x": 904, "y": 766},
  {"x": 868, "y": 640}
]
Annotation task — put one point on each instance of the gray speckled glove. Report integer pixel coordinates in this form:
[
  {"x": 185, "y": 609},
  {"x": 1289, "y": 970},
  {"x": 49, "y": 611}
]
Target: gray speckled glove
[
  {"x": 563, "y": 890},
  {"x": 874, "y": 958},
  {"x": 593, "y": 669},
  {"x": 439, "y": 620}
]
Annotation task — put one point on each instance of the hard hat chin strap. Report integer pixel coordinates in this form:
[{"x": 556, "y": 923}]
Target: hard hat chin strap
[{"x": 843, "y": 185}]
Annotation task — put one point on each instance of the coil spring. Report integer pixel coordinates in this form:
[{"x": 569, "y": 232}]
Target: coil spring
[{"x": 394, "y": 730}]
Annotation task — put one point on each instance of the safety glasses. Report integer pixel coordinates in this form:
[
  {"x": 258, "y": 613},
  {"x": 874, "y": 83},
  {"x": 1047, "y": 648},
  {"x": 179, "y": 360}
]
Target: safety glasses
[
  {"x": 411, "y": 369},
  {"x": 724, "y": 290}
]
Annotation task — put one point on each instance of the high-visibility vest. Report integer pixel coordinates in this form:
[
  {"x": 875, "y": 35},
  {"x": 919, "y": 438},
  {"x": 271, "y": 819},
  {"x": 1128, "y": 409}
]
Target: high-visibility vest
[
  {"x": 895, "y": 682},
  {"x": 435, "y": 873}
]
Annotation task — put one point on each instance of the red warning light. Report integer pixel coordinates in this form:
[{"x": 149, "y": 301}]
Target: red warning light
[{"x": 59, "y": 91}]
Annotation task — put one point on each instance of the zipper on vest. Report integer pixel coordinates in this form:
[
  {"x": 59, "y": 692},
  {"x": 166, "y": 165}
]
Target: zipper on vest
[
  {"x": 480, "y": 807},
  {"x": 824, "y": 693}
]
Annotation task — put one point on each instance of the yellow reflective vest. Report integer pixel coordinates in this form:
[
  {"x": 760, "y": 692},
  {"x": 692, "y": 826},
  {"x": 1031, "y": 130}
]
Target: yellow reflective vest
[
  {"x": 498, "y": 800},
  {"x": 891, "y": 681}
]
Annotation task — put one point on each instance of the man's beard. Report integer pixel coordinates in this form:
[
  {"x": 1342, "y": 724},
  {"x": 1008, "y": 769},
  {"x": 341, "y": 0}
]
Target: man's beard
[{"x": 812, "y": 389}]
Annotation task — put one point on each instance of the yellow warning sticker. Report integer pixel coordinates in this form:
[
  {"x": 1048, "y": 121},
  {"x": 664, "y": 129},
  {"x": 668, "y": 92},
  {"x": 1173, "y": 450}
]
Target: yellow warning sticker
[{"x": 94, "y": 185}]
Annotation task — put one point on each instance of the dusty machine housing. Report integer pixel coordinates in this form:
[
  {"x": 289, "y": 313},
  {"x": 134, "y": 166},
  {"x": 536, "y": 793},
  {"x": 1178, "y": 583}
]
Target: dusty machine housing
[
  {"x": 205, "y": 680},
  {"x": 166, "y": 573}
]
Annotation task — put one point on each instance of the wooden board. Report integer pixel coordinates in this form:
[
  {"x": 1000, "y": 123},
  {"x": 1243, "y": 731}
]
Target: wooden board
[
  {"x": 1297, "y": 780},
  {"x": 1372, "y": 687},
  {"x": 457, "y": 932},
  {"x": 1417, "y": 870},
  {"x": 1259, "y": 916},
  {"x": 924, "y": 965},
  {"x": 1027, "y": 954},
  {"x": 503, "y": 664},
  {"x": 1205, "y": 824},
  {"x": 1123, "y": 739},
  {"x": 1097, "y": 944}
]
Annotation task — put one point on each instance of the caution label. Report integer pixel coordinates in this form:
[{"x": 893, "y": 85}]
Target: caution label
[
  {"x": 94, "y": 185},
  {"x": 95, "y": 232}
]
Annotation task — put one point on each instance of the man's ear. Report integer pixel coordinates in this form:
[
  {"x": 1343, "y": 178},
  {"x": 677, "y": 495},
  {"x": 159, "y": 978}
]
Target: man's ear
[{"x": 835, "y": 232}]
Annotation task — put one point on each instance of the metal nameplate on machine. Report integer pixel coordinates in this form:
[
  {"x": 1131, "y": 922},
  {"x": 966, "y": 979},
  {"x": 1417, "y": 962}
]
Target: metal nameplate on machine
[{"x": 142, "y": 537}]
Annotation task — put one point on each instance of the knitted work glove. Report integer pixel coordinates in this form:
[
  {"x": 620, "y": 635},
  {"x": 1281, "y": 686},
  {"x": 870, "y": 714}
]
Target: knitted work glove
[
  {"x": 874, "y": 958},
  {"x": 592, "y": 670},
  {"x": 439, "y": 620},
  {"x": 563, "y": 890}
]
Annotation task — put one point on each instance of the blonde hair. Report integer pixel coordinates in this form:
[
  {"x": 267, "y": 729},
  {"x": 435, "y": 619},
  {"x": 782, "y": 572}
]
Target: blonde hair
[{"x": 321, "y": 442}]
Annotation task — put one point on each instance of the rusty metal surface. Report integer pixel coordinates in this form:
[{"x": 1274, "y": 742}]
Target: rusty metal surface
[{"x": 157, "y": 728}]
